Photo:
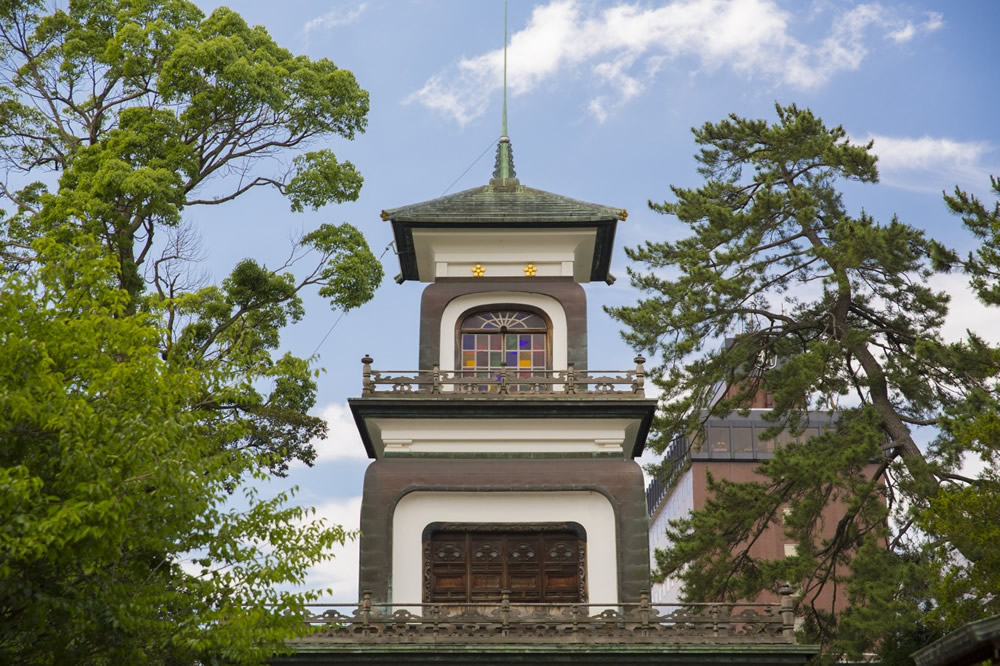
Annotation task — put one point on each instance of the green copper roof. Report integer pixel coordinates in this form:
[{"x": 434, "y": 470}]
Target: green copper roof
[
  {"x": 503, "y": 169},
  {"x": 503, "y": 203}
]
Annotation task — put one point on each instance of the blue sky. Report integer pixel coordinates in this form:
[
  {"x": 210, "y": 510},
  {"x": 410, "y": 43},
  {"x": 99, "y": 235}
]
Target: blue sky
[{"x": 602, "y": 96}]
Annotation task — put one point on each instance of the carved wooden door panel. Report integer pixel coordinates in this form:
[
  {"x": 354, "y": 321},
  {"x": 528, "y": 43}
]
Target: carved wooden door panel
[
  {"x": 477, "y": 565},
  {"x": 562, "y": 568},
  {"x": 485, "y": 567}
]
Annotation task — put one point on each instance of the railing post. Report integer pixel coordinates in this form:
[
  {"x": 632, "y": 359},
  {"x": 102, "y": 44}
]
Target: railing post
[
  {"x": 644, "y": 610},
  {"x": 787, "y": 612},
  {"x": 640, "y": 374},
  {"x": 570, "y": 378},
  {"x": 505, "y": 611},
  {"x": 503, "y": 378},
  {"x": 366, "y": 610},
  {"x": 367, "y": 385},
  {"x": 436, "y": 379}
]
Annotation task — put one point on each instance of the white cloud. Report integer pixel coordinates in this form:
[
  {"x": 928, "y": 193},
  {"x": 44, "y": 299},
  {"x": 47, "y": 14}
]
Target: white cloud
[
  {"x": 932, "y": 163},
  {"x": 622, "y": 48},
  {"x": 335, "y": 18},
  {"x": 342, "y": 440},
  {"x": 908, "y": 30},
  {"x": 965, "y": 311},
  {"x": 340, "y": 574}
]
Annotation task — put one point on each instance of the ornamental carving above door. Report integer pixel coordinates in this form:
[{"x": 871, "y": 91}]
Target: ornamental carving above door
[{"x": 478, "y": 562}]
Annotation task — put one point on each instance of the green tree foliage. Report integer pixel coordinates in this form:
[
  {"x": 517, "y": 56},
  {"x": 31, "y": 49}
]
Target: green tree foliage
[
  {"x": 842, "y": 301},
  {"x": 134, "y": 112},
  {"x": 112, "y": 473},
  {"x": 133, "y": 395}
]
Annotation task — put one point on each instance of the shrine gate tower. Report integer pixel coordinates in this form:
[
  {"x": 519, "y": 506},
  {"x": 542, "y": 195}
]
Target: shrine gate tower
[{"x": 502, "y": 464}]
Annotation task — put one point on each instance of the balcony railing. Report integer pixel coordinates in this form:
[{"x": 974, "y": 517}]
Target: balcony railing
[
  {"x": 508, "y": 382},
  {"x": 642, "y": 622}
]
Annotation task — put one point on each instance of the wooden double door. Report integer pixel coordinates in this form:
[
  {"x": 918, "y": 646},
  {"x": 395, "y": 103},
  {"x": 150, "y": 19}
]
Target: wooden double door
[{"x": 477, "y": 563}]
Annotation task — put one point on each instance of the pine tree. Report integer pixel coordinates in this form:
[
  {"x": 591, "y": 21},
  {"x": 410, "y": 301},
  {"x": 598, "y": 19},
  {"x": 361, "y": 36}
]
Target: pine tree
[{"x": 842, "y": 301}]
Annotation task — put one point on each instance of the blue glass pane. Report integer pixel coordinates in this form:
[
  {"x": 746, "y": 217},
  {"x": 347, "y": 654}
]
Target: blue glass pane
[
  {"x": 512, "y": 359},
  {"x": 468, "y": 342}
]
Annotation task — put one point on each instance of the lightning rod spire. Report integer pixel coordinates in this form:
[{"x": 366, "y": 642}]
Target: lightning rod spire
[{"x": 503, "y": 170}]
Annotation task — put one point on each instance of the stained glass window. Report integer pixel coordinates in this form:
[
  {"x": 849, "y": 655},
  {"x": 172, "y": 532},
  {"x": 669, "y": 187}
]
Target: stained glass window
[{"x": 497, "y": 339}]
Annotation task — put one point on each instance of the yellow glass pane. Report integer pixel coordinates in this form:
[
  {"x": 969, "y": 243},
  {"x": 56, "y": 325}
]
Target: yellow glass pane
[
  {"x": 524, "y": 363},
  {"x": 470, "y": 364}
]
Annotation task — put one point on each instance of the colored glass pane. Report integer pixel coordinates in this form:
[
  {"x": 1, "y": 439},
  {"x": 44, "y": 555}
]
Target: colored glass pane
[{"x": 490, "y": 341}]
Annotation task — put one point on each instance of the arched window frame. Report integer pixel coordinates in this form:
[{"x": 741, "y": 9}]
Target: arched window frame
[{"x": 504, "y": 307}]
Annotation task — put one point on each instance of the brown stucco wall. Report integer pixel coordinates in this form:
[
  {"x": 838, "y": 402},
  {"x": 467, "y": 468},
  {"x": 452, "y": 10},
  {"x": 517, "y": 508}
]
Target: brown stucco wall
[
  {"x": 388, "y": 480},
  {"x": 771, "y": 544},
  {"x": 568, "y": 293}
]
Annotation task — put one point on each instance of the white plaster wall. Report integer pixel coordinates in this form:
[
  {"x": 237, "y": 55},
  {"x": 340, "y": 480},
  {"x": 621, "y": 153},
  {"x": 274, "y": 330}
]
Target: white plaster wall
[
  {"x": 547, "y": 304},
  {"x": 418, "y": 509},
  {"x": 678, "y": 504},
  {"x": 504, "y": 252},
  {"x": 500, "y": 435}
]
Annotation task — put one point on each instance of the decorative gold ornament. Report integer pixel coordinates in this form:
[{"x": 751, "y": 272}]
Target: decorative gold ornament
[
  {"x": 478, "y": 270},
  {"x": 530, "y": 270}
]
